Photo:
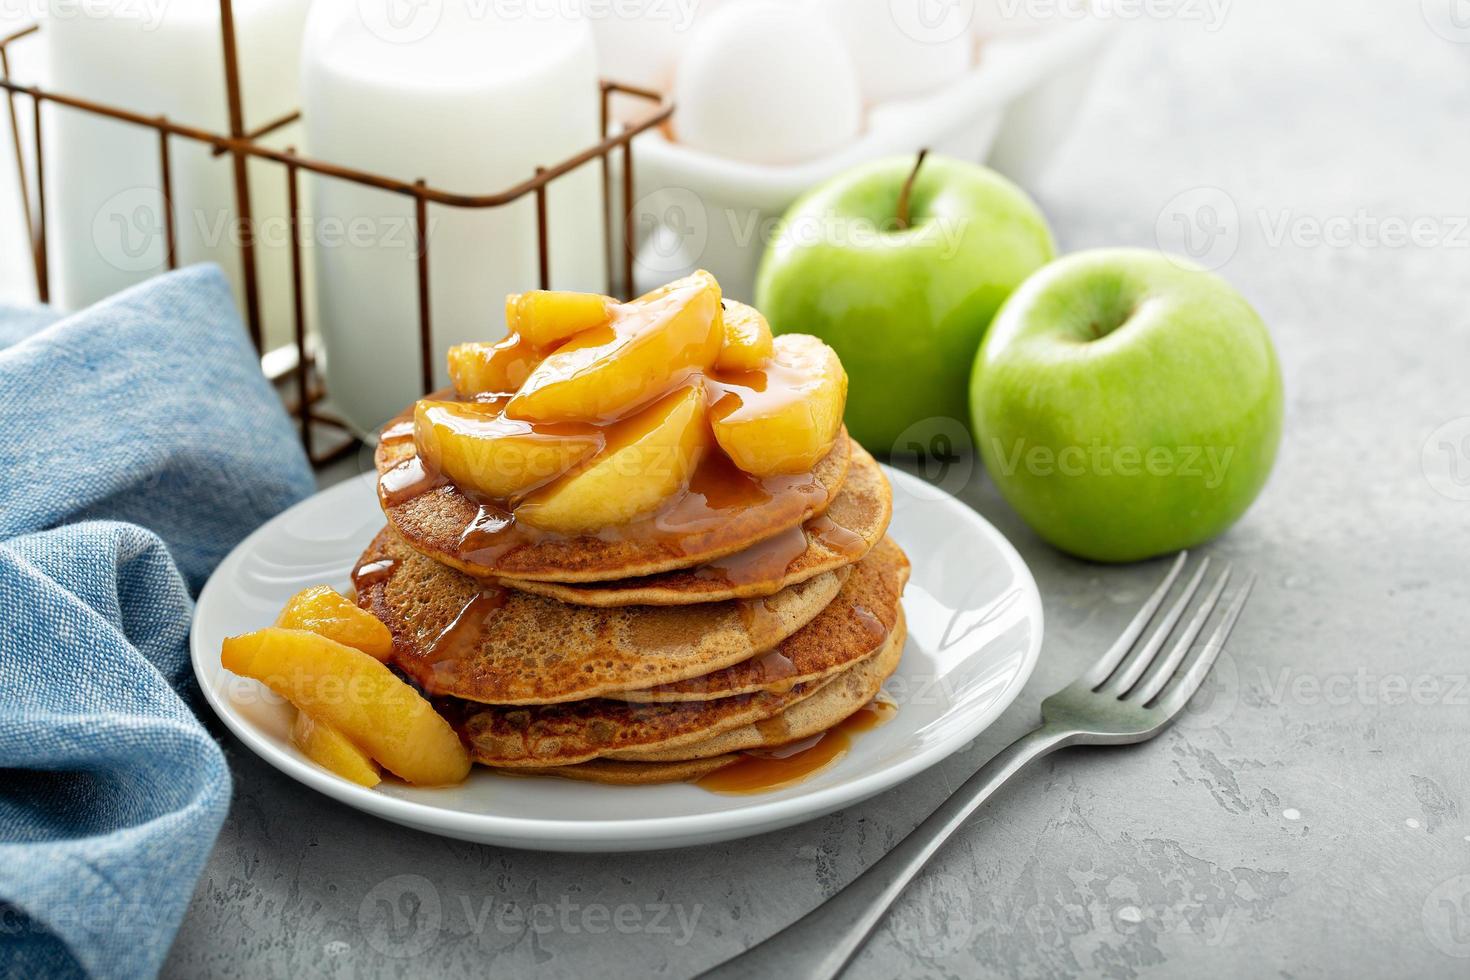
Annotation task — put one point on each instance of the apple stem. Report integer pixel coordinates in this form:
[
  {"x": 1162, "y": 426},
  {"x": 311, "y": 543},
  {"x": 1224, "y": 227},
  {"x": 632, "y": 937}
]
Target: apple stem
[{"x": 908, "y": 189}]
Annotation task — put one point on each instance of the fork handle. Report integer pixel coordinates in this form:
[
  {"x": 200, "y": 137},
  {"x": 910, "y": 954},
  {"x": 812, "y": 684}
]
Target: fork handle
[{"x": 820, "y": 943}]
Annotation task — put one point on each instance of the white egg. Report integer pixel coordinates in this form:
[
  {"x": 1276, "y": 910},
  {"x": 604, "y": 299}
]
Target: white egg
[
  {"x": 767, "y": 82},
  {"x": 904, "y": 48}
]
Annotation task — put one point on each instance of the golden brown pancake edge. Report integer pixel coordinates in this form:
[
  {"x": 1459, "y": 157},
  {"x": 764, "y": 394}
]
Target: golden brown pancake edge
[
  {"x": 862, "y": 508},
  {"x": 435, "y": 523},
  {"x": 868, "y": 603},
  {"x": 532, "y": 650}
]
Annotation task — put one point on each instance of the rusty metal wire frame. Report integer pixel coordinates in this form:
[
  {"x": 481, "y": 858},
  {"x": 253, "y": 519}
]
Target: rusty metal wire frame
[{"x": 242, "y": 144}]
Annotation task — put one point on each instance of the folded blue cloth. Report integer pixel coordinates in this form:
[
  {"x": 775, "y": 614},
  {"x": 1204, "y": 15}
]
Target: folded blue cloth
[{"x": 138, "y": 444}]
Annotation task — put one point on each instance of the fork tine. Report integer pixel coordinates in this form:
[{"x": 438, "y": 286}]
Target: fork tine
[
  {"x": 1177, "y": 694},
  {"x": 1159, "y": 674},
  {"x": 1129, "y": 671},
  {"x": 1099, "y": 671}
]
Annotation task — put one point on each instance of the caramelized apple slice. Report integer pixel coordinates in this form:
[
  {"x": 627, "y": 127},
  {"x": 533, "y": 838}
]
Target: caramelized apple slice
[
  {"x": 649, "y": 458},
  {"x": 747, "y": 339},
  {"x": 482, "y": 451},
  {"x": 358, "y": 696},
  {"x": 323, "y": 610},
  {"x": 490, "y": 369},
  {"x": 785, "y": 417},
  {"x": 330, "y": 749},
  {"x": 548, "y": 317},
  {"x": 650, "y": 346}
]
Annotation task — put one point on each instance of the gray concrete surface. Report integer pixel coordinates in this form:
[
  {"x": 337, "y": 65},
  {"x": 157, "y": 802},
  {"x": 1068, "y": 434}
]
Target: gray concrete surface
[{"x": 1311, "y": 820}]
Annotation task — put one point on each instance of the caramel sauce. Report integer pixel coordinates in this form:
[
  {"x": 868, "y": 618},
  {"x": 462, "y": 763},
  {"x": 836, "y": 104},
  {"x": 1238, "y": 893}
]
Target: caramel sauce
[
  {"x": 776, "y": 666},
  {"x": 372, "y": 572},
  {"x": 399, "y": 430},
  {"x": 739, "y": 396},
  {"x": 871, "y": 624},
  {"x": 762, "y": 770},
  {"x": 836, "y": 538},
  {"x": 480, "y": 534},
  {"x": 763, "y": 562},
  {"x": 461, "y": 638},
  {"x": 515, "y": 358},
  {"x": 757, "y": 616},
  {"x": 718, "y": 491},
  {"x": 409, "y": 479}
]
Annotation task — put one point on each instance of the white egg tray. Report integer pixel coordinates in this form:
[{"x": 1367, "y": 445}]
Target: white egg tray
[{"x": 696, "y": 210}]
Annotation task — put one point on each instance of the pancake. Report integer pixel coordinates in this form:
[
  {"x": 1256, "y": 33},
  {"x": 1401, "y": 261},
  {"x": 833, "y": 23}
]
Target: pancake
[
  {"x": 848, "y": 692},
  {"x": 855, "y": 521},
  {"x": 824, "y": 710},
  {"x": 539, "y": 736},
  {"x": 867, "y": 609},
  {"x": 508, "y": 647},
  {"x": 723, "y": 512},
  {"x": 631, "y": 773}
]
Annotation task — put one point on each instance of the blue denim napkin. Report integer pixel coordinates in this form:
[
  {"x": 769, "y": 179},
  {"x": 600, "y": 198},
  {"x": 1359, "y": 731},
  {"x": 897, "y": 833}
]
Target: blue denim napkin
[{"x": 138, "y": 444}]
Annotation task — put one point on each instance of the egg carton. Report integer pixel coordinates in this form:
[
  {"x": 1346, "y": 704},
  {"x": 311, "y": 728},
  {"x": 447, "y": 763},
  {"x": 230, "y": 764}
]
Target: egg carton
[{"x": 696, "y": 210}]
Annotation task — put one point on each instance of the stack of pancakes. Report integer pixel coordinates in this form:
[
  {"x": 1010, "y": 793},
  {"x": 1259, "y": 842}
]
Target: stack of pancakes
[{"x": 737, "y": 620}]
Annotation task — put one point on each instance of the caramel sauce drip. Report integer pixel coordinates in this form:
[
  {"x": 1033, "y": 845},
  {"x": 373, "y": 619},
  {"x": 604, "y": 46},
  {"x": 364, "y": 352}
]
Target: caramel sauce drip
[
  {"x": 763, "y": 562},
  {"x": 777, "y": 668},
  {"x": 836, "y": 538},
  {"x": 870, "y": 624},
  {"x": 461, "y": 638},
  {"x": 757, "y": 616},
  {"x": 489, "y": 535},
  {"x": 372, "y": 572},
  {"x": 737, "y": 396},
  {"x": 718, "y": 490},
  {"x": 762, "y": 770},
  {"x": 409, "y": 479},
  {"x": 398, "y": 430}
]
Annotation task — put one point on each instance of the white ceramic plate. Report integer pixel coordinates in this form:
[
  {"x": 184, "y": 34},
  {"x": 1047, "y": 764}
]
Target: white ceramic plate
[{"x": 974, "y": 619}]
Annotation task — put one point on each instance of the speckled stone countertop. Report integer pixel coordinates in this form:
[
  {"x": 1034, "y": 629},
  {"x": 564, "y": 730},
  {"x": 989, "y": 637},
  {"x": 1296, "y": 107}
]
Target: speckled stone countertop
[{"x": 1312, "y": 820}]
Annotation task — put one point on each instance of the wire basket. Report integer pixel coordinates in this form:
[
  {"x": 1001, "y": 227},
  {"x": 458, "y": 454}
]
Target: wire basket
[{"x": 242, "y": 145}]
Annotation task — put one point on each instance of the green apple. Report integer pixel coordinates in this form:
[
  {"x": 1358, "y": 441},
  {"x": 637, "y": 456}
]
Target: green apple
[
  {"x": 903, "y": 302},
  {"x": 1127, "y": 404}
]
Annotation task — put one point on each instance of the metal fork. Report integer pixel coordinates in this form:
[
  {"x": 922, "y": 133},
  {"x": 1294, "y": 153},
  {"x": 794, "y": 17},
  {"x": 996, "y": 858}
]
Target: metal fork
[{"x": 1128, "y": 696}]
